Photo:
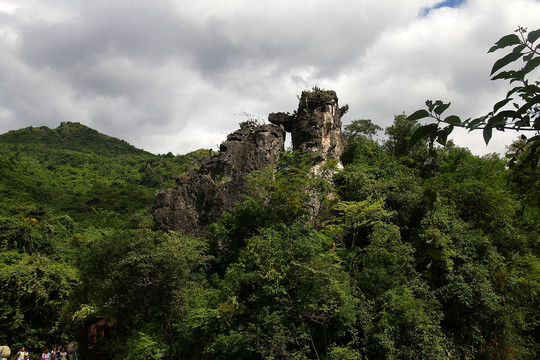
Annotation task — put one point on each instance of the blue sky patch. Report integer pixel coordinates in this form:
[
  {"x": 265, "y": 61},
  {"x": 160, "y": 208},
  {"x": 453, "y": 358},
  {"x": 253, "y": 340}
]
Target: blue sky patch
[{"x": 445, "y": 3}]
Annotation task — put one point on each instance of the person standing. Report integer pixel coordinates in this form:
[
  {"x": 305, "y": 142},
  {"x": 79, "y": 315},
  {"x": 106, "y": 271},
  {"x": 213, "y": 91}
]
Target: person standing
[
  {"x": 46, "y": 355},
  {"x": 72, "y": 350},
  {"x": 20, "y": 354},
  {"x": 54, "y": 353},
  {"x": 62, "y": 355}
]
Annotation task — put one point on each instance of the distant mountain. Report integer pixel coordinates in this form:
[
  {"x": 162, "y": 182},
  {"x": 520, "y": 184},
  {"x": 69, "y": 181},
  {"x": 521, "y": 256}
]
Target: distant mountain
[
  {"x": 72, "y": 136},
  {"x": 76, "y": 170}
]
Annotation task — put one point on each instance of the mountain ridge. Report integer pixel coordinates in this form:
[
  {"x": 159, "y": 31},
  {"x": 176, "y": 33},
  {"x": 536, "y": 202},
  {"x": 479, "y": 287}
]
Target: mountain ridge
[
  {"x": 71, "y": 136},
  {"x": 77, "y": 170}
]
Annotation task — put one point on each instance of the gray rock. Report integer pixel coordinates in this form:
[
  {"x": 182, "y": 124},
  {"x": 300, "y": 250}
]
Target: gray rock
[
  {"x": 316, "y": 125},
  {"x": 202, "y": 195}
]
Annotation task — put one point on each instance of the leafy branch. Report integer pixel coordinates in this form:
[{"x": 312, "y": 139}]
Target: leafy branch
[{"x": 525, "y": 96}]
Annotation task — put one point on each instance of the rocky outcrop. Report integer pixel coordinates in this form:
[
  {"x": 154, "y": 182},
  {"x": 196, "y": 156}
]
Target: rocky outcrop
[
  {"x": 316, "y": 126},
  {"x": 202, "y": 195}
]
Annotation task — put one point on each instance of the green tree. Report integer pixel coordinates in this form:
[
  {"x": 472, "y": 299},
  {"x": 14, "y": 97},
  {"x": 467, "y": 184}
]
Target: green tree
[
  {"x": 524, "y": 175},
  {"x": 361, "y": 128},
  {"x": 142, "y": 280},
  {"x": 286, "y": 297},
  {"x": 34, "y": 289},
  {"x": 361, "y": 147},
  {"x": 282, "y": 195},
  {"x": 399, "y": 317},
  {"x": 399, "y": 134}
]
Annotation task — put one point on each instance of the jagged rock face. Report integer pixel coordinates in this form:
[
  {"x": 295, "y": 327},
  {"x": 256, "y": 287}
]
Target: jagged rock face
[
  {"x": 316, "y": 126},
  {"x": 250, "y": 148},
  {"x": 201, "y": 196}
]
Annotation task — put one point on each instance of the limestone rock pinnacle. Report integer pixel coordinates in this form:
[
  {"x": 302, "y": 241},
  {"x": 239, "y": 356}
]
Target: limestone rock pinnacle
[
  {"x": 202, "y": 195},
  {"x": 316, "y": 126}
]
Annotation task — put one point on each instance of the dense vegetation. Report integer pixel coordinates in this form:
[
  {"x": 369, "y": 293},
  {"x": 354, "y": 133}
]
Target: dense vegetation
[
  {"x": 58, "y": 188},
  {"x": 412, "y": 254}
]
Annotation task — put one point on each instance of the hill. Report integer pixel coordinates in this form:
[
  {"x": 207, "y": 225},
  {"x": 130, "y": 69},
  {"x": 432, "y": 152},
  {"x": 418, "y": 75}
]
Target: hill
[
  {"x": 71, "y": 136},
  {"x": 76, "y": 170}
]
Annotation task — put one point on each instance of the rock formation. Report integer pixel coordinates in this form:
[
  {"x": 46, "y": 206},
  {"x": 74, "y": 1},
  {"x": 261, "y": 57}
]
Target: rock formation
[
  {"x": 202, "y": 195},
  {"x": 316, "y": 125}
]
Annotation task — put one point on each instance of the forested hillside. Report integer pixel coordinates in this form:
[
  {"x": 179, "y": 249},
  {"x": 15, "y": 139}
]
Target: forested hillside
[
  {"x": 57, "y": 188},
  {"x": 413, "y": 254},
  {"x": 75, "y": 170}
]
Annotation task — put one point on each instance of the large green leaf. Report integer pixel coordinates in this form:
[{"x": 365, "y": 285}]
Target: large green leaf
[
  {"x": 420, "y": 114},
  {"x": 499, "y": 64},
  {"x": 528, "y": 105},
  {"x": 421, "y": 132},
  {"x": 441, "y": 108},
  {"x": 453, "y": 119},
  {"x": 533, "y": 36},
  {"x": 528, "y": 57},
  {"x": 536, "y": 124},
  {"x": 530, "y": 66},
  {"x": 487, "y": 133},
  {"x": 442, "y": 135},
  {"x": 534, "y": 88},
  {"x": 513, "y": 90},
  {"x": 524, "y": 122},
  {"x": 505, "y": 41},
  {"x": 505, "y": 75},
  {"x": 500, "y": 104},
  {"x": 501, "y": 118},
  {"x": 473, "y": 124}
]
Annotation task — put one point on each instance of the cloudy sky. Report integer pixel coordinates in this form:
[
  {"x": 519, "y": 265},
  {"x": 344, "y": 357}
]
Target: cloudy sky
[{"x": 177, "y": 75}]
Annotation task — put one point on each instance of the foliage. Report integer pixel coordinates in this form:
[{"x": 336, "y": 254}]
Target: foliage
[
  {"x": 141, "y": 280},
  {"x": 142, "y": 346},
  {"x": 407, "y": 254},
  {"x": 403, "y": 317},
  {"x": 399, "y": 134},
  {"x": 55, "y": 184},
  {"x": 360, "y": 144},
  {"x": 280, "y": 196},
  {"x": 524, "y": 174},
  {"x": 525, "y": 115},
  {"x": 27, "y": 283},
  {"x": 76, "y": 170},
  {"x": 361, "y": 128},
  {"x": 251, "y": 120},
  {"x": 287, "y": 295}
]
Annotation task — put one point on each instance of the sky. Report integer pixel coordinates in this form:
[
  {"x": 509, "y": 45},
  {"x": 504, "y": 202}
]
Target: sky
[{"x": 176, "y": 76}]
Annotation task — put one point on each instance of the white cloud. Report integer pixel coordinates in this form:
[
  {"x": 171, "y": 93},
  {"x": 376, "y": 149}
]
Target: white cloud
[{"x": 171, "y": 75}]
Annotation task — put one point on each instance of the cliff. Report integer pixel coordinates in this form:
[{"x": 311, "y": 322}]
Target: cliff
[
  {"x": 316, "y": 125},
  {"x": 203, "y": 194}
]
